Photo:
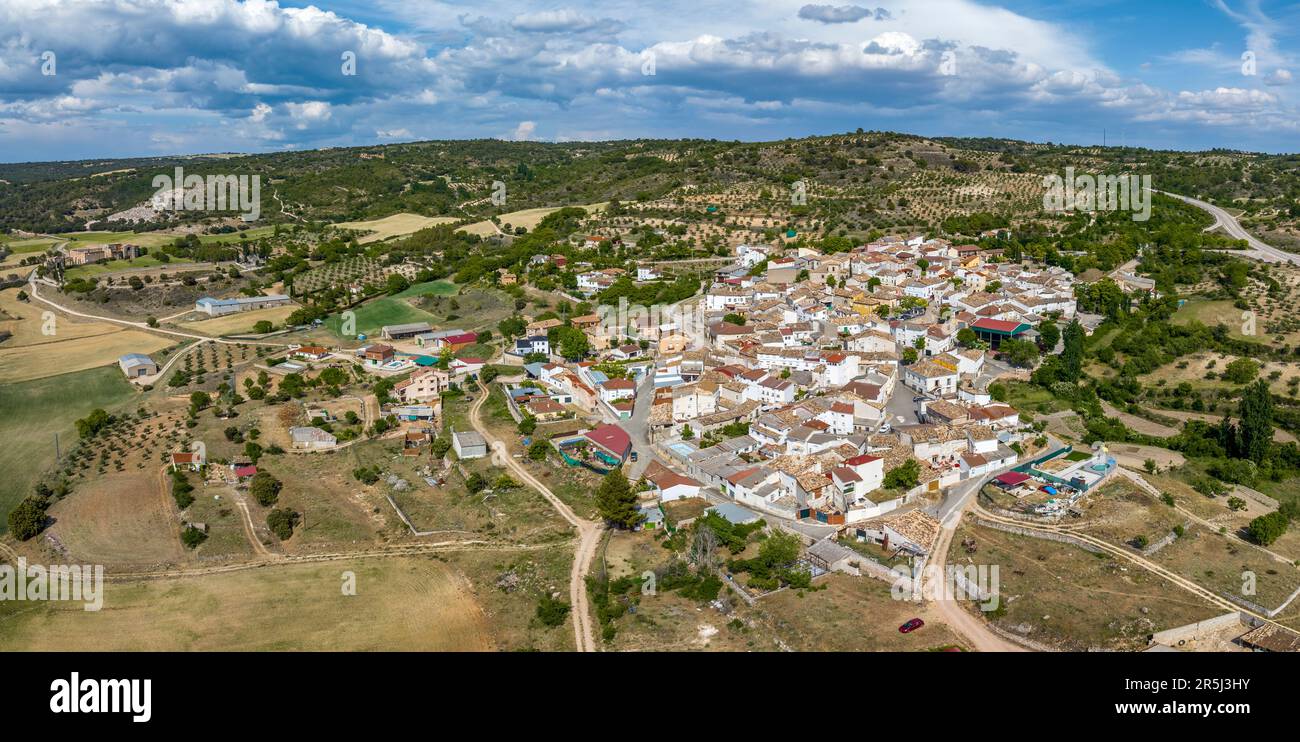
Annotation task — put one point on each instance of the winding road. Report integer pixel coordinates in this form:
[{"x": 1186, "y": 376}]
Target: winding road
[
  {"x": 1258, "y": 248},
  {"x": 589, "y": 532}
]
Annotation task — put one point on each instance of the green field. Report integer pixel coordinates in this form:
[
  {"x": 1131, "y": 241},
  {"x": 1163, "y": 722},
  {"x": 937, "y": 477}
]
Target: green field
[
  {"x": 392, "y": 310},
  {"x": 35, "y": 410},
  {"x": 110, "y": 266},
  {"x": 25, "y": 246},
  {"x": 1211, "y": 313}
]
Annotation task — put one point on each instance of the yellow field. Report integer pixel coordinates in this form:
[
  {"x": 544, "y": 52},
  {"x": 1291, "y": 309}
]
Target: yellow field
[
  {"x": 125, "y": 518},
  {"x": 74, "y": 346},
  {"x": 401, "y": 603},
  {"x": 530, "y": 218},
  {"x": 240, "y": 322},
  {"x": 392, "y": 226},
  {"x": 482, "y": 229}
]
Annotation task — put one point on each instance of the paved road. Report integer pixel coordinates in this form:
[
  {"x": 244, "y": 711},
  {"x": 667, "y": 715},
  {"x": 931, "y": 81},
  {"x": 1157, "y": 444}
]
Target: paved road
[{"x": 1233, "y": 228}]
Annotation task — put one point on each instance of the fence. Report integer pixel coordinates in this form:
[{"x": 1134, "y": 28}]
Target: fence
[{"x": 1031, "y": 533}]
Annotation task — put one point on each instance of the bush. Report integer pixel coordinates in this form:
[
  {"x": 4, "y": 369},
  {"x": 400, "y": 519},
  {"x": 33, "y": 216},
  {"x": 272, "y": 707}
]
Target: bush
[
  {"x": 192, "y": 537},
  {"x": 28, "y": 518},
  {"x": 265, "y": 488},
  {"x": 182, "y": 490},
  {"x": 552, "y": 612},
  {"x": 1266, "y": 529},
  {"x": 282, "y": 521}
]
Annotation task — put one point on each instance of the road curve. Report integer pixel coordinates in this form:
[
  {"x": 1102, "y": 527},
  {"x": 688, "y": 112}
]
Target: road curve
[
  {"x": 143, "y": 325},
  {"x": 1233, "y": 228}
]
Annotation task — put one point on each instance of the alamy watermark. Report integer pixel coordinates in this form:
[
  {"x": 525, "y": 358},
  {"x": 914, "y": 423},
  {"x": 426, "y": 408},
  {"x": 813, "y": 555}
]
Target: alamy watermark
[
  {"x": 57, "y": 582},
  {"x": 1089, "y": 193},
  {"x": 181, "y": 192},
  {"x": 630, "y": 320}
]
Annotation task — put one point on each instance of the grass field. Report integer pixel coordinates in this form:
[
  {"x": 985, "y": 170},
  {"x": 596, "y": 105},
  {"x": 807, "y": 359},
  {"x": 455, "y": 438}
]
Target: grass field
[
  {"x": 73, "y": 346},
  {"x": 1066, "y": 597},
  {"x": 35, "y": 410},
  {"x": 240, "y": 322},
  {"x": 392, "y": 310},
  {"x": 400, "y": 604},
  {"x": 1211, "y": 313},
  {"x": 394, "y": 226}
]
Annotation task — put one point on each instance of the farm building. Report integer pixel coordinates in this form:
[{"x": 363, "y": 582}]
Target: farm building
[
  {"x": 468, "y": 444},
  {"x": 135, "y": 365},
  {"x": 187, "y": 460},
  {"x": 219, "y": 307},
  {"x": 994, "y": 331},
  {"x": 311, "y": 438},
  {"x": 99, "y": 253},
  {"x": 408, "y": 330}
]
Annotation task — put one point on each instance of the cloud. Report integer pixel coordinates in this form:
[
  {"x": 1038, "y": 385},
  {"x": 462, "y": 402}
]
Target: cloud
[
  {"x": 565, "y": 20},
  {"x": 524, "y": 131},
  {"x": 256, "y": 75},
  {"x": 841, "y": 13}
]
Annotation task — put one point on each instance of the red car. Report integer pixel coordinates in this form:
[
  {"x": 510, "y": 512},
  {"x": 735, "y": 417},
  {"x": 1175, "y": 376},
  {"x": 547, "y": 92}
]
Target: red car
[{"x": 911, "y": 626}]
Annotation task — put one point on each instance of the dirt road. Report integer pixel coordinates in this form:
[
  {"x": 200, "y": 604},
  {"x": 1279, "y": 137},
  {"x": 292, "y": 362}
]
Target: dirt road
[
  {"x": 948, "y": 611},
  {"x": 588, "y": 531}
]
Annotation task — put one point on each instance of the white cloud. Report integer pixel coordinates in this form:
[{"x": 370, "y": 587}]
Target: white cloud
[{"x": 524, "y": 131}]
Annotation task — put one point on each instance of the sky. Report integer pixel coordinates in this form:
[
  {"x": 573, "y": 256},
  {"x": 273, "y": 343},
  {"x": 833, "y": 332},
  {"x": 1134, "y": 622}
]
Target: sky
[{"x": 84, "y": 79}]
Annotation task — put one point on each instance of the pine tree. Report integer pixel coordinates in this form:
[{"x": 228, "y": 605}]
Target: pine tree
[{"x": 616, "y": 501}]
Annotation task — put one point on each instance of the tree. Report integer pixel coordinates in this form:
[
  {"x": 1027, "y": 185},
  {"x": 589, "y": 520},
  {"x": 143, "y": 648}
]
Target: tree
[
  {"x": 552, "y": 612},
  {"x": 616, "y": 501},
  {"x": 1241, "y": 371},
  {"x": 527, "y": 424},
  {"x": 967, "y": 337},
  {"x": 282, "y": 521},
  {"x": 1268, "y": 528},
  {"x": 440, "y": 447},
  {"x": 905, "y": 476},
  {"x": 704, "y": 547},
  {"x": 1072, "y": 352},
  {"x": 1255, "y": 432},
  {"x": 538, "y": 450},
  {"x": 397, "y": 283},
  {"x": 1021, "y": 353},
  {"x": 1048, "y": 335},
  {"x": 573, "y": 343},
  {"x": 265, "y": 488},
  {"x": 28, "y": 518},
  {"x": 192, "y": 537}
]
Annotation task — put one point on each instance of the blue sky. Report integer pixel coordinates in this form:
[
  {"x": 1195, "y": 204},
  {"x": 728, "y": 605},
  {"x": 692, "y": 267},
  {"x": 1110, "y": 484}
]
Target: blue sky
[{"x": 154, "y": 77}]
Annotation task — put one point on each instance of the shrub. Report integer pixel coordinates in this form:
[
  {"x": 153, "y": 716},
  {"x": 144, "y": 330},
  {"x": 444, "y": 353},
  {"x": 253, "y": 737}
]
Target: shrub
[
  {"x": 265, "y": 488},
  {"x": 552, "y": 612},
  {"x": 192, "y": 537},
  {"x": 282, "y": 521},
  {"x": 28, "y": 518}
]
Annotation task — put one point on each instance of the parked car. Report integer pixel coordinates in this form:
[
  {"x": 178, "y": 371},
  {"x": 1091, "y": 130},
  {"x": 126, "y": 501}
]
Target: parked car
[
  {"x": 634, "y": 455},
  {"x": 911, "y": 626}
]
